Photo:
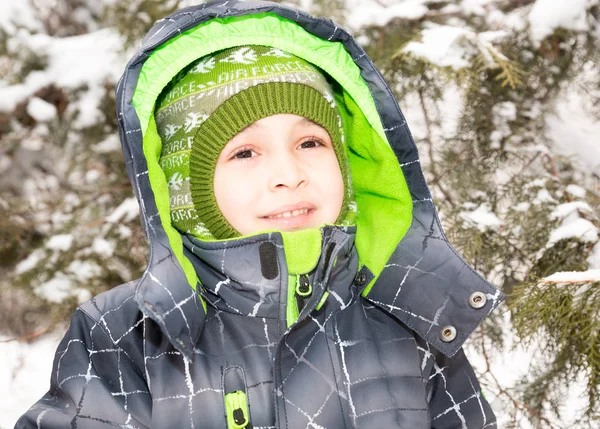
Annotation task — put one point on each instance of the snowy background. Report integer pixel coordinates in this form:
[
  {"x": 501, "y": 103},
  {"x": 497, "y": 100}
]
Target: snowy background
[{"x": 86, "y": 63}]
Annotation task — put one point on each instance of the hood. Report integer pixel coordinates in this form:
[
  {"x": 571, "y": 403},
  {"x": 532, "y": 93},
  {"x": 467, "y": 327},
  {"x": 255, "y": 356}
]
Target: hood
[{"x": 410, "y": 269}]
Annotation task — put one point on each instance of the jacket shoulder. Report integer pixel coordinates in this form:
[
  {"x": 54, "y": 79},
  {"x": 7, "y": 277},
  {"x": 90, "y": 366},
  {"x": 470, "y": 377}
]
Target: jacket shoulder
[
  {"x": 115, "y": 311},
  {"x": 111, "y": 301}
]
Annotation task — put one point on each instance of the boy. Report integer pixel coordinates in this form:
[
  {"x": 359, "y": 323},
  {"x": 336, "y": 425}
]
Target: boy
[{"x": 298, "y": 274}]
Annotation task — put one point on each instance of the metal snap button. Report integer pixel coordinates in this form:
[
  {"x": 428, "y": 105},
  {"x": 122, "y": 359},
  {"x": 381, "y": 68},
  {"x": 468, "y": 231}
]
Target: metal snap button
[
  {"x": 448, "y": 334},
  {"x": 360, "y": 279},
  {"x": 477, "y": 300}
]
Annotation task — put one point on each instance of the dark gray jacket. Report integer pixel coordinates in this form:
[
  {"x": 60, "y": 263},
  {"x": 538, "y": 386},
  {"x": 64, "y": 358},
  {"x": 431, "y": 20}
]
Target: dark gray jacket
[{"x": 221, "y": 334}]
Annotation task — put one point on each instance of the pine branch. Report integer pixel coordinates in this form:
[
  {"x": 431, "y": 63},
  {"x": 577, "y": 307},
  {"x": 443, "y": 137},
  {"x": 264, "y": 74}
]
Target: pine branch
[
  {"x": 431, "y": 152},
  {"x": 490, "y": 57},
  {"x": 502, "y": 391}
]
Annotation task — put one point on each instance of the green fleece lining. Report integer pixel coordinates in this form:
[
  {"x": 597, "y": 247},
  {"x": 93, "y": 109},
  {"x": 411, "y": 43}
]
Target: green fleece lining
[
  {"x": 382, "y": 195},
  {"x": 291, "y": 308},
  {"x": 302, "y": 249}
]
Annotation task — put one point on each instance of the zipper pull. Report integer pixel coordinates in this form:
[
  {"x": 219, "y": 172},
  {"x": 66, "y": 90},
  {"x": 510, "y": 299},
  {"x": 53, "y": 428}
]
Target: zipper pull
[
  {"x": 237, "y": 410},
  {"x": 303, "y": 286},
  {"x": 303, "y": 291}
]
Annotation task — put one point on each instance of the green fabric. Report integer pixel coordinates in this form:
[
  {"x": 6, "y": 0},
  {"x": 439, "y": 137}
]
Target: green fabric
[
  {"x": 236, "y": 401},
  {"x": 302, "y": 249},
  {"x": 237, "y": 113},
  {"x": 382, "y": 195},
  {"x": 322, "y": 300},
  {"x": 192, "y": 121},
  {"x": 291, "y": 309},
  {"x": 258, "y": 29}
]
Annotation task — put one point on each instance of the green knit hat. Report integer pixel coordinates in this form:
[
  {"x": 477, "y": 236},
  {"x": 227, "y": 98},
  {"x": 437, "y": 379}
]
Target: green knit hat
[{"x": 216, "y": 97}]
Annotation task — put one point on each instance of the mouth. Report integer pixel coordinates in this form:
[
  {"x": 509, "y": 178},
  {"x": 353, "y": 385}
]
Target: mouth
[
  {"x": 291, "y": 217},
  {"x": 288, "y": 214}
]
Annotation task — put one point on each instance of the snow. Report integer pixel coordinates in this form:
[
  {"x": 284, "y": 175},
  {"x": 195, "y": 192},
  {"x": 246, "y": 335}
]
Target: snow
[
  {"x": 56, "y": 289},
  {"x": 537, "y": 183},
  {"x": 92, "y": 176},
  {"x": 15, "y": 14},
  {"x": 30, "y": 262},
  {"x": 476, "y": 7},
  {"x": 82, "y": 295},
  {"x": 543, "y": 196},
  {"x": 24, "y": 374},
  {"x": 84, "y": 270},
  {"x": 576, "y": 191},
  {"x": 548, "y": 15},
  {"x": 411, "y": 107},
  {"x": 103, "y": 247},
  {"x": 503, "y": 113},
  {"x": 41, "y": 110},
  {"x": 482, "y": 218},
  {"x": 573, "y": 277},
  {"x": 127, "y": 210},
  {"x": 110, "y": 144},
  {"x": 73, "y": 62},
  {"x": 521, "y": 207},
  {"x": 584, "y": 279},
  {"x": 594, "y": 258},
  {"x": 441, "y": 45},
  {"x": 365, "y": 13},
  {"x": 61, "y": 242},
  {"x": 511, "y": 366},
  {"x": 582, "y": 229},
  {"x": 506, "y": 111},
  {"x": 516, "y": 20},
  {"x": 124, "y": 231},
  {"x": 574, "y": 130},
  {"x": 63, "y": 286},
  {"x": 563, "y": 210}
]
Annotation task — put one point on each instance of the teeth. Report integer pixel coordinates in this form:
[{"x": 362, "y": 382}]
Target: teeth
[{"x": 288, "y": 214}]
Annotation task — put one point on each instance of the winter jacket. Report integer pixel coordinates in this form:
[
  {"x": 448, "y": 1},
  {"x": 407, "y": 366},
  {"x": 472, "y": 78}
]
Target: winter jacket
[{"x": 355, "y": 327}]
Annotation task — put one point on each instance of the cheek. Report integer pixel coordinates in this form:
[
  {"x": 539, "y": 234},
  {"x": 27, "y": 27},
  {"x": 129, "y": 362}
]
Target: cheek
[
  {"x": 329, "y": 177},
  {"x": 233, "y": 193}
]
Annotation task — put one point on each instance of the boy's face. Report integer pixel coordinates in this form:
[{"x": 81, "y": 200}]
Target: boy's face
[{"x": 279, "y": 173}]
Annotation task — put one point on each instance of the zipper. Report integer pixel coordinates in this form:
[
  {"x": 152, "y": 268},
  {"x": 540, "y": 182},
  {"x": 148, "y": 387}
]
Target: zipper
[{"x": 298, "y": 296}]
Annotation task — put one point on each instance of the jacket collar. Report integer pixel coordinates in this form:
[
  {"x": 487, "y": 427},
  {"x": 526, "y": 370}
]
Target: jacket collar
[
  {"x": 235, "y": 279},
  {"x": 425, "y": 285},
  {"x": 249, "y": 276}
]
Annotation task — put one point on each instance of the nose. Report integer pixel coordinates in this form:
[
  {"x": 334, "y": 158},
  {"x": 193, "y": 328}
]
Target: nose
[{"x": 286, "y": 171}]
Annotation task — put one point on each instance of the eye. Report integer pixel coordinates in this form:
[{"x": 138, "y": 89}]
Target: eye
[
  {"x": 310, "y": 143},
  {"x": 244, "y": 153}
]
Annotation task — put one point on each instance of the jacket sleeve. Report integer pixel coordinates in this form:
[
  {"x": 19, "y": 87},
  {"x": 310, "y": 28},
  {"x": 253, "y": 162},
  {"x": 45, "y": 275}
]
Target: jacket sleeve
[
  {"x": 455, "y": 397},
  {"x": 95, "y": 383}
]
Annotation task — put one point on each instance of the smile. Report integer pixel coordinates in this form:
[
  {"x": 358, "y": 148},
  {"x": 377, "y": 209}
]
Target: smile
[
  {"x": 288, "y": 214},
  {"x": 291, "y": 217}
]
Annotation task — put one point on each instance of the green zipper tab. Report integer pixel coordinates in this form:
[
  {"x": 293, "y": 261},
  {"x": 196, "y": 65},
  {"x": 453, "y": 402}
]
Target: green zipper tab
[
  {"x": 297, "y": 296},
  {"x": 303, "y": 286},
  {"x": 236, "y": 408}
]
